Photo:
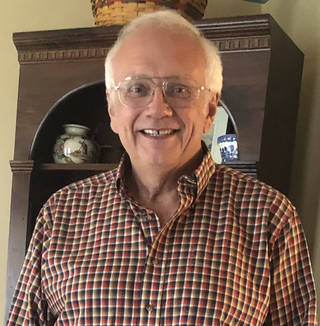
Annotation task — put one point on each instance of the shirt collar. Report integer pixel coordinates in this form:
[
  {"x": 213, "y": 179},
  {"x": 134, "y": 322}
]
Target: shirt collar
[
  {"x": 122, "y": 169},
  {"x": 196, "y": 181}
]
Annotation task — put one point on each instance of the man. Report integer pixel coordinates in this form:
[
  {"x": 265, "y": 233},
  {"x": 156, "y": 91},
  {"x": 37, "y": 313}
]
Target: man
[{"x": 168, "y": 238}]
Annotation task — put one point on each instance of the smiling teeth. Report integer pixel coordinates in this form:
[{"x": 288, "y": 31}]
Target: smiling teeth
[{"x": 161, "y": 132}]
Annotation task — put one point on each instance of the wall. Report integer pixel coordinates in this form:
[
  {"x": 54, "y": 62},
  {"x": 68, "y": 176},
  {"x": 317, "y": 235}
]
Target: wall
[
  {"x": 301, "y": 23},
  {"x": 18, "y": 16},
  {"x": 228, "y": 8},
  {"x": 298, "y": 21}
]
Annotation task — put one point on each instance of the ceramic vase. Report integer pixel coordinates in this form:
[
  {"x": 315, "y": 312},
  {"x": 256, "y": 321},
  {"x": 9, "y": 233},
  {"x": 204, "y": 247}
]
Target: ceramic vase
[{"x": 74, "y": 146}]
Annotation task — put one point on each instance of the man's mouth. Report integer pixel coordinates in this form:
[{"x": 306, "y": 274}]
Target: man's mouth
[{"x": 158, "y": 133}]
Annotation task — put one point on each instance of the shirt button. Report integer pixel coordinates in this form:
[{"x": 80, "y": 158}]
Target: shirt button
[
  {"x": 155, "y": 262},
  {"x": 149, "y": 307},
  {"x": 141, "y": 217}
]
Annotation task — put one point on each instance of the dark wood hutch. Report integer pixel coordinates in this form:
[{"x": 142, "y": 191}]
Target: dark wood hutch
[{"x": 61, "y": 81}]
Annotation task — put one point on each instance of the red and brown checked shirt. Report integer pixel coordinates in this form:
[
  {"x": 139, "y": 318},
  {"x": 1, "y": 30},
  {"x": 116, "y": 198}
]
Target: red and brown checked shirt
[{"x": 233, "y": 253}]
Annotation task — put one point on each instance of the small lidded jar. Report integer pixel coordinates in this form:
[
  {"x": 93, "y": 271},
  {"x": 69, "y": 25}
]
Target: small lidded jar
[{"x": 74, "y": 146}]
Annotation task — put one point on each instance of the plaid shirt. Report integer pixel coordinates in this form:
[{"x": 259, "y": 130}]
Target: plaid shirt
[{"x": 233, "y": 253}]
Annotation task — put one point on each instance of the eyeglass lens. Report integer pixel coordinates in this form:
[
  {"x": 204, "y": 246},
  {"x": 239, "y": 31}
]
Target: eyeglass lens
[{"x": 140, "y": 92}]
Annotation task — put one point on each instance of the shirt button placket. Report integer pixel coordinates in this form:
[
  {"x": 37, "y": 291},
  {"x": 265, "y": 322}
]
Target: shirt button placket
[
  {"x": 149, "y": 307},
  {"x": 155, "y": 262},
  {"x": 141, "y": 217}
]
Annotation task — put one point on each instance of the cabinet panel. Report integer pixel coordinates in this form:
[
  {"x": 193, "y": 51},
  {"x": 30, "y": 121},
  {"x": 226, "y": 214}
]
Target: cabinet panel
[
  {"x": 244, "y": 93},
  {"x": 41, "y": 86}
]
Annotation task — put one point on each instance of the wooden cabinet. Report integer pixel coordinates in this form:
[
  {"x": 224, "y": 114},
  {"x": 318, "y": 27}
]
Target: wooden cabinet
[{"x": 61, "y": 81}]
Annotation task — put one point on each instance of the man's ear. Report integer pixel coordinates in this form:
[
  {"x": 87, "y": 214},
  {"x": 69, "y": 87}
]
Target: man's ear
[
  {"x": 111, "y": 112},
  {"x": 212, "y": 110}
]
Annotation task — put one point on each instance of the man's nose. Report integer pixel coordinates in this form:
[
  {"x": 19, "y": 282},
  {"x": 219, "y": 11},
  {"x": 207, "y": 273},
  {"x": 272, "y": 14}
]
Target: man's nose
[{"x": 159, "y": 106}]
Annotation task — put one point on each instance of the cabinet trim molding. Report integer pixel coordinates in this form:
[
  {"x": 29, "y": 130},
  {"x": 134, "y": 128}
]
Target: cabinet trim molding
[
  {"x": 22, "y": 166},
  {"x": 228, "y": 34},
  {"x": 224, "y": 45}
]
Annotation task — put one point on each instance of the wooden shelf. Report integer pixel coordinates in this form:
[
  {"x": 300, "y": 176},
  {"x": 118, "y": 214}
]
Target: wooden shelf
[
  {"x": 245, "y": 167},
  {"x": 30, "y": 165},
  {"x": 77, "y": 167}
]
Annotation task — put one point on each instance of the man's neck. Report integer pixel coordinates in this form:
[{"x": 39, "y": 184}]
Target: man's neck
[
  {"x": 149, "y": 183},
  {"x": 155, "y": 187}
]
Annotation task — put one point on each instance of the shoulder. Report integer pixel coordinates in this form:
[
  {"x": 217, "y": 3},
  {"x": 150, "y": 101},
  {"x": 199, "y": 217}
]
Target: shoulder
[
  {"x": 240, "y": 184},
  {"x": 95, "y": 181},
  {"x": 87, "y": 188},
  {"x": 251, "y": 197},
  {"x": 80, "y": 199}
]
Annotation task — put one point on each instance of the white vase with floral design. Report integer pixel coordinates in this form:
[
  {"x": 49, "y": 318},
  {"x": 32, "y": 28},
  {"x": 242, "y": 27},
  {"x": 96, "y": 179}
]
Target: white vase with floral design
[{"x": 74, "y": 146}]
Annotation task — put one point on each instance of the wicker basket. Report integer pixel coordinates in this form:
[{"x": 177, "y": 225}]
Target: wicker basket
[{"x": 120, "y": 12}]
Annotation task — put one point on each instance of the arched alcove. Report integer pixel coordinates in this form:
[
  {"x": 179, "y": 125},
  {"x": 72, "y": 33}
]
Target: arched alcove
[
  {"x": 224, "y": 123},
  {"x": 85, "y": 105}
]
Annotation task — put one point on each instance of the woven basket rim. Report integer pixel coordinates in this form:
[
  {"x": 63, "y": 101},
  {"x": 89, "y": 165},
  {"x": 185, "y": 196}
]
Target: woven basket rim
[{"x": 121, "y": 12}]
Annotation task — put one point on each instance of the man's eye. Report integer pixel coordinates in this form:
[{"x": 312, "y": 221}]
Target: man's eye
[
  {"x": 178, "y": 90},
  {"x": 137, "y": 90}
]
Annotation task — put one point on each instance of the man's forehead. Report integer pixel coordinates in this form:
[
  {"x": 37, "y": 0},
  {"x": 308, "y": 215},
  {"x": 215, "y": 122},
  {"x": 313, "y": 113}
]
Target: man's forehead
[
  {"x": 157, "y": 34},
  {"x": 155, "y": 54},
  {"x": 150, "y": 43}
]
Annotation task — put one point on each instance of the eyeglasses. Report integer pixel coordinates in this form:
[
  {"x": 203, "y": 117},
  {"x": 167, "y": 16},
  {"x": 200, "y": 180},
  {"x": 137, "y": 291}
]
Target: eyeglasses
[{"x": 137, "y": 92}]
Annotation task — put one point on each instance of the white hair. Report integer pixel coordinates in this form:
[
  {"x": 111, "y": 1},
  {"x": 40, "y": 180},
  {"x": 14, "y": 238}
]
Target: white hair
[{"x": 170, "y": 20}]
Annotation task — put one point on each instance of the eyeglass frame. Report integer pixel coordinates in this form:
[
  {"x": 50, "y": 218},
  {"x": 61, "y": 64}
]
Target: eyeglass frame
[{"x": 163, "y": 85}]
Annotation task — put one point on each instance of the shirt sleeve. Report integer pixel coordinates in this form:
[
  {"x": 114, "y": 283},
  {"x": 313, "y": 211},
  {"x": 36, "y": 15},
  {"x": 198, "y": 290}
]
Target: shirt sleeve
[
  {"x": 293, "y": 295},
  {"x": 29, "y": 306}
]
